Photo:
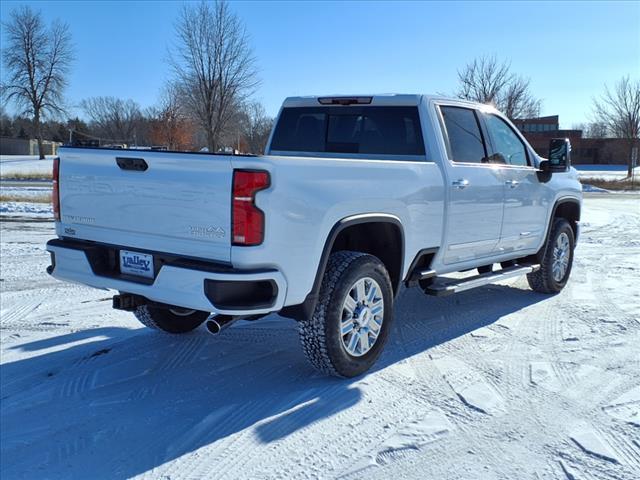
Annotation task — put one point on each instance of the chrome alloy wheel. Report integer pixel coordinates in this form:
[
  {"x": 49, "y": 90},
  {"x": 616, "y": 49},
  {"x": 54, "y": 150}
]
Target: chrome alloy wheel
[
  {"x": 362, "y": 317},
  {"x": 561, "y": 255}
]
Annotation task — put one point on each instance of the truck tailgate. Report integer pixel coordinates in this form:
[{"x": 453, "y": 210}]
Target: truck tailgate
[{"x": 150, "y": 200}]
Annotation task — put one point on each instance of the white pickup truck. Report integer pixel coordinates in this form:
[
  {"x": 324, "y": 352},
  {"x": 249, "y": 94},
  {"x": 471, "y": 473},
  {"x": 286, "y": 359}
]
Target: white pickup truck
[{"x": 354, "y": 198}]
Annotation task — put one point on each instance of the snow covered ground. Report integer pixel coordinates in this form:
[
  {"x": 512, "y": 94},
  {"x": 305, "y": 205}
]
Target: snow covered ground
[
  {"x": 26, "y": 209},
  {"x": 25, "y": 164},
  {"x": 605, "y": 172},
  {"x": 493, "y": 383},
  {"x": 26, "y": 189}
]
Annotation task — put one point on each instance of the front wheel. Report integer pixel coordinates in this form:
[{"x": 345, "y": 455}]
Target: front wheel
[
  {"x": 557, "y": 259},
  {"x": 351, "y": 322}
]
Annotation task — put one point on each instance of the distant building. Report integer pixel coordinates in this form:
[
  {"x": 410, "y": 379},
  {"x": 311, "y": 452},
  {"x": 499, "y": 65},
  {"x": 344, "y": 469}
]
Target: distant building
[
  {"x": 23, "y": 146},
  {"x": 538, "y": 125},
  {"x": 538, "y": 131}
]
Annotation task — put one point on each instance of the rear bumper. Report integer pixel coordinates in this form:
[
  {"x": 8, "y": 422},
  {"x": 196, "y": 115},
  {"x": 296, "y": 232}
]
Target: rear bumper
[{"x": 187, "y": 283}]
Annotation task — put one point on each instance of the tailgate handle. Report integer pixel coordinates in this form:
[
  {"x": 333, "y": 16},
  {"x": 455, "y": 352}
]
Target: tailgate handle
[{"x": 136, "y": 164}]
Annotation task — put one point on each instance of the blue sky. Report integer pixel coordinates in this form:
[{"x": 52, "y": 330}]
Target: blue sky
[{"x": 568, "y": 50}]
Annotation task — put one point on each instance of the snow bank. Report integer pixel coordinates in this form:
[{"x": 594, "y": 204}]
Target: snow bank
[
  {"x": 26, "y": 209},
  {"x": 26, "y": 191},
  {"x": 592, "y": 189}
]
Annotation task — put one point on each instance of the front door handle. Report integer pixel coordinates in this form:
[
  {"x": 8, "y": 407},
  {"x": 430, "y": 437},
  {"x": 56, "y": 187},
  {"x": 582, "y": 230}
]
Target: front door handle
[
  {"x": 460, "y": 183},
  {"x": 512, "y": 183}
]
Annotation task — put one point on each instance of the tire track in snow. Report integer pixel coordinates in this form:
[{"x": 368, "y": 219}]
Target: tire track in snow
[
  {"x": 597, "y": 453},
  {"x": 624, "y": 404},
  {"x": 464, "y": 421},
  {"x": 215, "y": 460},
  {"x": 218, "y": 456},
  {"x": 227, "y": 462},
  {"x": 12, "y": 317},
  {"x": 183, "y": 351},
  {"x": 473, "y": 315},
  {"x": 626, "y": 450}
]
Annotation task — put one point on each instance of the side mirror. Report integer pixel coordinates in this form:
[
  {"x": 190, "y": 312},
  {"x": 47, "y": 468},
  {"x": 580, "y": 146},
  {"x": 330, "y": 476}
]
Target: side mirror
[{"x": 559, "y": 156}]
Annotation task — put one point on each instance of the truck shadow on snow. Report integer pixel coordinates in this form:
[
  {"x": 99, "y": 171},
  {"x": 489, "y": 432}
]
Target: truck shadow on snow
[{"x": 121, "y": 406}]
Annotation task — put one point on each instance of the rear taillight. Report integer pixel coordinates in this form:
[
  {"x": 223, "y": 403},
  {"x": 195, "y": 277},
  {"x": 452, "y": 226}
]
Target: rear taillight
[
  {"x": 55, "y": 194},
  {"x": 247, "y": 219}
]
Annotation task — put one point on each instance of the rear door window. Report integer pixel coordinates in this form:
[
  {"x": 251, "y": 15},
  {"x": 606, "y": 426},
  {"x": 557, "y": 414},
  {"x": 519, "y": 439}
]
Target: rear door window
[
  {"x": 464, "y": 137},
  {"x": 350, "y": 129}
]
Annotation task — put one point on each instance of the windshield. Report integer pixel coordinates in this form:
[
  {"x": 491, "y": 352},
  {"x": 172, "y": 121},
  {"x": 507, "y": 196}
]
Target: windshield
[{"x": 352, "y": 129}]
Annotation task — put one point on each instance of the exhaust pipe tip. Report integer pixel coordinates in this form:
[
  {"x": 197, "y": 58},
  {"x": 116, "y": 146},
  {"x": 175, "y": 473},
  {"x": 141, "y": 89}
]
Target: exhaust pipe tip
[
  {"x": 216, "y": 323},
  {"x": 213, "y": 327}
]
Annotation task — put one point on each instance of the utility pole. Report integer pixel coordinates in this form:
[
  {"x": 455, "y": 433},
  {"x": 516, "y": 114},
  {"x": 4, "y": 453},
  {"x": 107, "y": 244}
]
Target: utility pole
[{"x": 634, "y": 162}]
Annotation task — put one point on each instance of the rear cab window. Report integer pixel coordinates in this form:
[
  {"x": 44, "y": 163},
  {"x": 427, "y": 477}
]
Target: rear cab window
[{"x": 367, "y": 130}]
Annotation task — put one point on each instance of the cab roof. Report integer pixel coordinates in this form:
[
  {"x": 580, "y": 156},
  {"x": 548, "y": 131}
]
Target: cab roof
[{"x": 386, "y": 99}]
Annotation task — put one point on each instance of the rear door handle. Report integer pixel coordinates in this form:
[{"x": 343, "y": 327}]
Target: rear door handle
[
  {"x": 460, "y": 183},
  {"x": 512, "y": 183}
]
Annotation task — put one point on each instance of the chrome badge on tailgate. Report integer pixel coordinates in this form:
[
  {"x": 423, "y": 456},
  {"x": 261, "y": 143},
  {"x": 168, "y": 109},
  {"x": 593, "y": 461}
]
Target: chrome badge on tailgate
[{"x": 134, "y": 263}]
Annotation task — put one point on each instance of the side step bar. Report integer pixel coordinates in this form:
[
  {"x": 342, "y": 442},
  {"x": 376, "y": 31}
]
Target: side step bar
[{"x": 447, "y": 286}]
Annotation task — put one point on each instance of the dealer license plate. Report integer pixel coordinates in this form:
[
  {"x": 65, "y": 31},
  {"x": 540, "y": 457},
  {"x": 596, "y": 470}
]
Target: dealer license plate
[{"x": 134, "y": 263}]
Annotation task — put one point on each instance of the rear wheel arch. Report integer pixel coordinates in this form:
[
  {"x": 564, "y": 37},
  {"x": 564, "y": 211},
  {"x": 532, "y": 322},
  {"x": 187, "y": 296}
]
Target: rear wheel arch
[
  {"x": 367, "y": 233},
  {"x": 372, "y": 234}
]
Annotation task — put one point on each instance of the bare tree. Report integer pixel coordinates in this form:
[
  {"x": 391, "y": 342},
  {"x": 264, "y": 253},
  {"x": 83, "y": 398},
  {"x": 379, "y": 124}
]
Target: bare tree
[
  {"x": 37, "y": 60},
  {"x": 596, "y": 130},
  {"x": 592, "y": 129},
  {"x": 486, "y": 81},
  {"x": 256, "y": 127},
  {"x": 170, "y": 124},
  {"x": 113, "y": 118},
  {"x": 619, "y": 110},
  {"x": 213, "y": 64}
]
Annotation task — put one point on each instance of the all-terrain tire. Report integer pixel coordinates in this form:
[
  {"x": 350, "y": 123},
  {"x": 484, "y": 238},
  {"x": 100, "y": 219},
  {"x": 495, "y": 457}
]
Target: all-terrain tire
[
  {"x": 165, "y": 319},
  {"x": 543, "y": 280},
  {"x": 320, "y": 334}
]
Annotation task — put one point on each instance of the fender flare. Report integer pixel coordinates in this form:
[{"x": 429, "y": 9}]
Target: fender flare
[
  {"x": 306, "y": 308},
  {"x": 559, "y": 202}
]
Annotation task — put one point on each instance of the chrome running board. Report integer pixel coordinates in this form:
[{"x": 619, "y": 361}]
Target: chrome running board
[{"x": 443, "y": 286}]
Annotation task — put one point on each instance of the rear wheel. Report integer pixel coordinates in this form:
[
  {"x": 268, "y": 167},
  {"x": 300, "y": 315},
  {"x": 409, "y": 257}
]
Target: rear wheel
[
  {"x": 557, "y": 259},
  {"x": 351, "y": 322},
  {"x": 170, "y": 320}
]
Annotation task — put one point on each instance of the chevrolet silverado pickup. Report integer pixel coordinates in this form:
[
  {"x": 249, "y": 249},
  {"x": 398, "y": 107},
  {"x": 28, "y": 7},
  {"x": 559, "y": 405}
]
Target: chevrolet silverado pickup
[{"x": 355, "y": 198}]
